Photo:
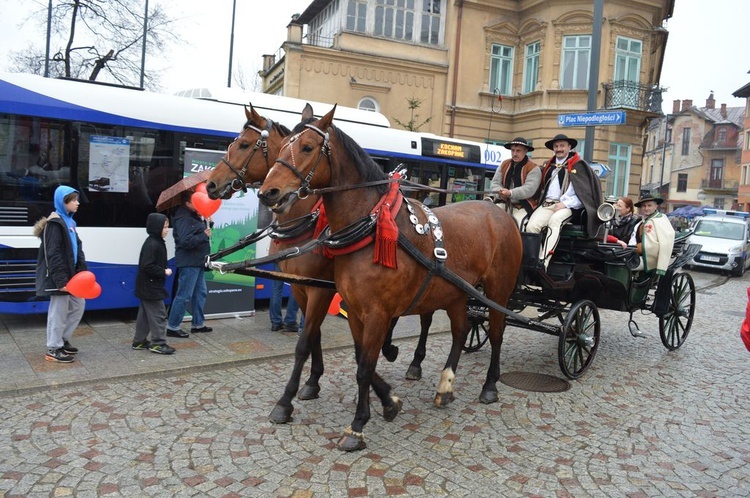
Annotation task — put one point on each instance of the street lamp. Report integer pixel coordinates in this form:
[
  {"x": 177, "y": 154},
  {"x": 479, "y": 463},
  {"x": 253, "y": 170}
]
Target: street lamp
[{"x": 231, "y": 45}]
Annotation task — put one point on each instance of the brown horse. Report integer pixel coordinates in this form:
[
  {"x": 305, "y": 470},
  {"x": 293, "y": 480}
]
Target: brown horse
[
  {"x": 482, "y": 243},
  {"x": 247, "y": 161}
]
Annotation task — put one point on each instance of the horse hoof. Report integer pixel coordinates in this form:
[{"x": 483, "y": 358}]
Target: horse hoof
[
  {"x": 414, "y": 373},
  {"x": 390, "y": 353},
  {"x": 308, "y": 392},
  {"x": 488, "y": 397},
  {"x": 281, "y": 414},
  {"x": 352, "y": 442},
  {"x": 443, "y": 399},
  {"x": 390, "y": 412}
]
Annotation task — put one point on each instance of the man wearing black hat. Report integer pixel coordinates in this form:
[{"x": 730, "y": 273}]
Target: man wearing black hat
[
  {"x": 516, "y": 181},
  {"x": 569, "y": 184}
]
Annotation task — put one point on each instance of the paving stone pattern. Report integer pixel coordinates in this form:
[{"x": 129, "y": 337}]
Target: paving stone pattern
[{"x": 642, "y": 422}]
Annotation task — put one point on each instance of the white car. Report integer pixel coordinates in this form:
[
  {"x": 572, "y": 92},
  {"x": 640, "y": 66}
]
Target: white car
[{"x": 725, "y": 237}]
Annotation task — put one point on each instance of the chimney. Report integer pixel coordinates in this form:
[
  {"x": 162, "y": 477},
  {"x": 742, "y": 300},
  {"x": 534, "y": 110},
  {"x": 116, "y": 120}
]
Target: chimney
[
  {"x": 294, "y": 30},
  {"x": 710, "y": 102},
  {"x": 724, "y": 111},
  {"x": 687, "y": 104},
  {"x": 268, "y": 61},
  {"x": 675, "y": 106}
]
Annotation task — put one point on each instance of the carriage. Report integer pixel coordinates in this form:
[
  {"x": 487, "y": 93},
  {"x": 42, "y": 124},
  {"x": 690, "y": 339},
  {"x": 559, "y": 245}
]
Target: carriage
[{"x": 585, "y": 275}]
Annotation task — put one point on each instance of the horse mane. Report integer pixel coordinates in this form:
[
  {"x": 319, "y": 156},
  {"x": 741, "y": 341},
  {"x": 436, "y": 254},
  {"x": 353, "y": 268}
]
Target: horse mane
[{"x": 367, "y": 168}]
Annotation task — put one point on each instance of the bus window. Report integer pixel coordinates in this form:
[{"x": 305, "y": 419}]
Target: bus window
[{"x": 462, "y": 179}]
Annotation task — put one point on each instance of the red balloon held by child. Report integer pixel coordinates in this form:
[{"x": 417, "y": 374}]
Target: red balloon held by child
[
  {"x": 84, "y": 285},
  {"x": 204, "y": 205},
  {"x": 201, "y": 187}
]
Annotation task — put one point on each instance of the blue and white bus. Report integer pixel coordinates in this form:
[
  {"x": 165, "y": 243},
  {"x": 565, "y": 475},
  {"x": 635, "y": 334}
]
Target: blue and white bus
[{"x": 50, "y": 129}]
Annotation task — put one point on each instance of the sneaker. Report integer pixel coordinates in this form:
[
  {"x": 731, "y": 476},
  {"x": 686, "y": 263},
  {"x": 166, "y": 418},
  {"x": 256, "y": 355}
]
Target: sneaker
[
  {"x": 177, "y": 333},
  {"x": 58, "y": 355},
  {"x": 68, "y": 348},
  {"x": 161, "y": 349},
  {"x": 198, "y": 330},
  {"x": 141, "y": 345}
]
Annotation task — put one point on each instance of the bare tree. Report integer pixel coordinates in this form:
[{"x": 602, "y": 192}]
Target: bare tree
[{"x": 99, "y": 39}]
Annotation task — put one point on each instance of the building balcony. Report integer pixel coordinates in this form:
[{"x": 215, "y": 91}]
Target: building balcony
[
  {"x": 631, "y": 95},
  {"x": 720, "y": 187}
]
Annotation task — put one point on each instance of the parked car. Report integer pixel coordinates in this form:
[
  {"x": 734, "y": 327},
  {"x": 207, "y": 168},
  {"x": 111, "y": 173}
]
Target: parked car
[{"x": 725, "y": 237}]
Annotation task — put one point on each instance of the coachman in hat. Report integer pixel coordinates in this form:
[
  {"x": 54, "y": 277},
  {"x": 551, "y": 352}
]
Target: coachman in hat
[
  {"x": 516, "y": 182},
  {"x": 569, "y": 185}
]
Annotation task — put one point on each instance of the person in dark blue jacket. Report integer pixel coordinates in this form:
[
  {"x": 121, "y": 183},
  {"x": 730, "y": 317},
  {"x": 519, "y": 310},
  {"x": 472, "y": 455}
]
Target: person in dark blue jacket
[
  {"x": 60, "y": 257},
  {"x": 192, "y": 245},
  {"x": 149, "y": 288}
]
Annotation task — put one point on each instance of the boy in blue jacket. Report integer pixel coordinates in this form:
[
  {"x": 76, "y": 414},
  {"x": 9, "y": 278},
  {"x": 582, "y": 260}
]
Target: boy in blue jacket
[{"x": 149, "y": 288}]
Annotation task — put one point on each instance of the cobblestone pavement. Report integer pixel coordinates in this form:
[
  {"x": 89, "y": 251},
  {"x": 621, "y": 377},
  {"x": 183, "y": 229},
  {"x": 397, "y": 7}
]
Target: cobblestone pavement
[{"x": 641, "y": 422}]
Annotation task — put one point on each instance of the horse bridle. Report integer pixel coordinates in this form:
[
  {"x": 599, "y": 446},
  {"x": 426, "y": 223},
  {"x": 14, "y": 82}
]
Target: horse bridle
[
  {"x": 325, "y": 150},
  {"x": 262, "y": 143}
]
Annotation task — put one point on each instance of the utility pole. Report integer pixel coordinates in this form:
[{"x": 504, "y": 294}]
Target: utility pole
[
  {"x": 231, "y": 45},
  {"x": 49, "y": 33},
  {"x": 143, "y": 49},
  {"x": 596, "y": 50},
  {"x": 664, "y": 154}
]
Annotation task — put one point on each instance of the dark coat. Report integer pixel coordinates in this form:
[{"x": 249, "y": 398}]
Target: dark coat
[
  {"x": 152, "y": 263},
  {"x": 192, "y": 245},
  {"x": 622, "y": 228},
  {"x": 55, "y": 265},
  {"x": 588, "y": 188}
]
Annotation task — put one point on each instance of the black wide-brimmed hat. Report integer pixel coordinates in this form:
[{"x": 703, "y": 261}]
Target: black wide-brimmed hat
[
  {"x": 572, "y": 141},
  {"x": 519, "y": 141},
  {"x": 658, "y": 200}
]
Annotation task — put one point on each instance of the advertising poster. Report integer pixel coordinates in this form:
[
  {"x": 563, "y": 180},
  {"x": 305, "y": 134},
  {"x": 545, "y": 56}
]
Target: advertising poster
[
  {"x": 229, "y": 294},
  {"x": 109, "y": 159}
]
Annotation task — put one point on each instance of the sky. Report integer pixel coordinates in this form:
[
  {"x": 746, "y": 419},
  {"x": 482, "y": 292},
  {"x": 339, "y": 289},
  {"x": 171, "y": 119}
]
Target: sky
[{"x": 704, "y": 48}]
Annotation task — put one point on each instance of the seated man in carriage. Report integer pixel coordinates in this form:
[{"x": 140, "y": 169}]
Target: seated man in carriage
[
  {"x": 653, "y": 236},
  {"x": 516, "y": 182},
  {"x": 569, "y": 185}
]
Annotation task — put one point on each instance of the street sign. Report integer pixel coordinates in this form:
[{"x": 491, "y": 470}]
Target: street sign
[
  {"x": 601, "y": 170},
  {"x": 592, "y": 118}
]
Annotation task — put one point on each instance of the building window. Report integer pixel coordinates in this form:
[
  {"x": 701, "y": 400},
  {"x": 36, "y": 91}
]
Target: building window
[
  {"x": 619, "y": 163},
  {"x": 747, "y": 139},
  {"x": 324, "y": 26},
  {"x": 682, "y": 182},
  {"x": 717, "y": 173},
  {"x": 721, "y": 136},
  {"x": 430, "y": 29},
  {"x": 356, "y": 15},
  {"x": 719, "y": 202},
  {"x": 745, "y": 174},
  {"x": 395, "y": 19},
  {"x": 685, "y": 141},
  {"x": 628, "y": 71},
  {"x": 368, "y": 104},
  {"x": 531, "y": 67},
  {"x": 575, "y": 62},
  {"x": 501, "y": 69}
]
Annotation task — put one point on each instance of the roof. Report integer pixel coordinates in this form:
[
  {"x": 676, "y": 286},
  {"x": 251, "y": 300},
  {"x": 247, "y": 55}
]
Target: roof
[
  {"x": 743, "y": 92},
  {"x": 312, "y": 10}
]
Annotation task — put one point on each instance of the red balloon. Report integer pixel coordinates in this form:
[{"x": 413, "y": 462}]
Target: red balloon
[
  {"x": 93, "y": 292},
  {"x": 201, "y": 187},
  {"x": 82, "y": 284},
  {"x": 335, "y": 306},
  {"x": 204, "y": 204}
]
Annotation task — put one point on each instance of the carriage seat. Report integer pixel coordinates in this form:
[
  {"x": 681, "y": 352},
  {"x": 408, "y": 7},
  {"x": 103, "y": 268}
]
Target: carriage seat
[{"x": 576, "y": 226}]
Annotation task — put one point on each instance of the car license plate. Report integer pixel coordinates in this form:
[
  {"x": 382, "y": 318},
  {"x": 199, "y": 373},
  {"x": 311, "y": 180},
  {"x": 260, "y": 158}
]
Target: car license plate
[{"x": 712, "y": 259}]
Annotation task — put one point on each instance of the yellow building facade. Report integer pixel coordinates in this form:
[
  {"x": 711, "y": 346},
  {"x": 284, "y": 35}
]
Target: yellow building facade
[{"x": 485, "y": 70}]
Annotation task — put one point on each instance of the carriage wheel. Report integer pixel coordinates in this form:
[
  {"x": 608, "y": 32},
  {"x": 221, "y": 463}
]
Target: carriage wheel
[
  {"x": 478, "y": 331},
  {"x": 579, "y": 339},
  {"x": 675, "y": 324}
]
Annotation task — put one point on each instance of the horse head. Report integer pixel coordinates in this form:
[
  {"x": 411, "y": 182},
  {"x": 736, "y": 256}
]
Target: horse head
[
  {"x": 249, "y": 158},
  {"x": 303, "y": 162}
]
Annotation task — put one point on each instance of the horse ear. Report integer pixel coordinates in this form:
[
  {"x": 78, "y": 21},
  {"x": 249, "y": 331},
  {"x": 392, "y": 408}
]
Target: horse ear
[
  {"x": 307, "y": 112},
  {"x": 252, "y": 115},
  {"x": 325, "y": 121}
]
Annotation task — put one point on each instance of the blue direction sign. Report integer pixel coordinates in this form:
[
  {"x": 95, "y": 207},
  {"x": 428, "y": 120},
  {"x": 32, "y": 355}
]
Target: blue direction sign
[
  {"x": 592, "y": 118},
  {"x": 601, "y": 170}
]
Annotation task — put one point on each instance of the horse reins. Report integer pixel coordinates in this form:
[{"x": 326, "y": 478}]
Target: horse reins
[{"x": 262, "y": 143}]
